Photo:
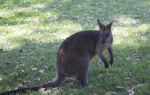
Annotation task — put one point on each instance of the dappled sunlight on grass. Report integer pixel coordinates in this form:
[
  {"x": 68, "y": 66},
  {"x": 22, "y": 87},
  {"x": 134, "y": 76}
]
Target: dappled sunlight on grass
[
  {"x": 52, "y": 32},
  {"x": 125, "y": 20},
  {"x": 6, "y": 13},
  {"x": 119, "y": 33},
  {"x": 131, "y": 35},
  {"x": 141, "y": 33},
  {"x": 1, "y": 79},
  {"x": 141, "y": 28}
]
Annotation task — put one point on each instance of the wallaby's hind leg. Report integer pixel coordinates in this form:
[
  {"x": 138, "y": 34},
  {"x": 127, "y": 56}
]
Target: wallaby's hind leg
[
  {"x": 83, "y": 73},
  {"x": 83, "y": 78}
]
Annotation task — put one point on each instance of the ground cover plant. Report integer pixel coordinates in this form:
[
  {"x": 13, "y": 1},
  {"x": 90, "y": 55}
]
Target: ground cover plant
[{"x": 31, "y": 32}]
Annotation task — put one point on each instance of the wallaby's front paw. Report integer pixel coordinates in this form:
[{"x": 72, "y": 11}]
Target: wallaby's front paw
[{"x": 111, "y": 61}]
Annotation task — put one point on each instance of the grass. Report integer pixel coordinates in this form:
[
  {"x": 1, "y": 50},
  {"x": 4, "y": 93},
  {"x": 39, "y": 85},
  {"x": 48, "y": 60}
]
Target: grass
[{"x": 32, "y": 30}]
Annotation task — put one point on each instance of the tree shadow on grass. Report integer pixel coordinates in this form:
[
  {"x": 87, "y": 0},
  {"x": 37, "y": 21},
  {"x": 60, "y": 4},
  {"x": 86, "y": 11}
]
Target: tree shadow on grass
[{"x": 30, "y": 64}]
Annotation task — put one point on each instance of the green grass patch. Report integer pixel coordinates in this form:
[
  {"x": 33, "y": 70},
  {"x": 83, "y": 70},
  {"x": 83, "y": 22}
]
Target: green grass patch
[{"x": 31, "y": 32}]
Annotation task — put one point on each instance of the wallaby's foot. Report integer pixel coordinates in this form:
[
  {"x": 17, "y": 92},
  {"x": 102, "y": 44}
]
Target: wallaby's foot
[
  {"x": 84, "y": 83},
  {"x": 83, "y": 80}
]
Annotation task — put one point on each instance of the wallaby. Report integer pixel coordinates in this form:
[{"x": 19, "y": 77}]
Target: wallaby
[{"x": 75, "y": 53}]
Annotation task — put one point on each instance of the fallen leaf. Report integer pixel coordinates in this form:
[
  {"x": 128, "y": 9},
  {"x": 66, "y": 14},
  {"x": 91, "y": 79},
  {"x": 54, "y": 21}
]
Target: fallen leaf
[
  {"x": 25, "y": 82},
  {"x": 38, "y": 79},
  {"x": 118, "y": 88},
  {"x": 22, "y": 71},
  {"x": 34, "y": 69},
  {"x": 21, "y": 85},
  {"x": 1, "y": 50},
  {"x": 41, "y": 71},
  {"x": 111, "y": 93},
  {"x": 130, "y": 92},
  {"x": 127, "y": 78},
  {"x": 45, "y": 67}
]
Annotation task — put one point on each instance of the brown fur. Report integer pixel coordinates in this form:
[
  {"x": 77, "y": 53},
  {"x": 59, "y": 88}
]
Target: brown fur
[{"x": 75, "y": 53}]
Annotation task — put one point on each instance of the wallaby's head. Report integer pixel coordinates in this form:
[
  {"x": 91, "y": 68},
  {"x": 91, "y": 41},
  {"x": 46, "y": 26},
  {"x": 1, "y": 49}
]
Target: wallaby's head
[{"x": 105, "y": 36}]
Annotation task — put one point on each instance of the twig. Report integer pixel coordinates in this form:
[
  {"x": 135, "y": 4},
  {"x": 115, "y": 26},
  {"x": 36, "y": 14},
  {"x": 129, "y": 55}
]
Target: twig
[{"x": 109, "y": 93}]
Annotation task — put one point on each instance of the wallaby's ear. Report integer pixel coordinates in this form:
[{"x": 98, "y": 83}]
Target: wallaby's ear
[
  {"x": 100, "y": 24},
  {"x": 110, "y": 24}
]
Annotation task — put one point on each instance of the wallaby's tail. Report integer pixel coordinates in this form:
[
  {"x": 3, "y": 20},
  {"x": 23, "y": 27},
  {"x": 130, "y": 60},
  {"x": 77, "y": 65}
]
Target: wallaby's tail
[{"x": 23, "y": 90}]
